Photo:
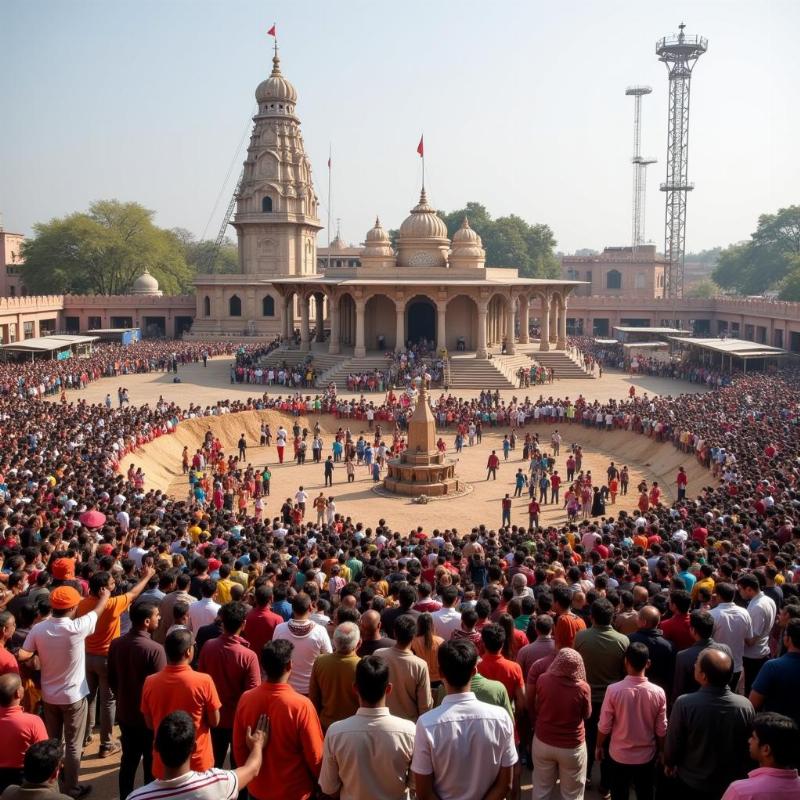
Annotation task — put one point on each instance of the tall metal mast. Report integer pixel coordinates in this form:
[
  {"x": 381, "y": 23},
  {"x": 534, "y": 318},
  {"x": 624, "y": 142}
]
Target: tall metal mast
[
  {"x": 640, "y": 164},
  {"x": 680, "y": 54}
]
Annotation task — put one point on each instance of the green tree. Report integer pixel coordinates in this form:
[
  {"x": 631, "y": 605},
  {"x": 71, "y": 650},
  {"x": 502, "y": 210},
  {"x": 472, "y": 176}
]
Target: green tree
[
  {"x": 703, "y": 290},
  {"x": 767, "y": 259},
  {"x": 205, "y": 257},
  {"x": 509, "y": 241},
  {"x": 103, "y": 251}
]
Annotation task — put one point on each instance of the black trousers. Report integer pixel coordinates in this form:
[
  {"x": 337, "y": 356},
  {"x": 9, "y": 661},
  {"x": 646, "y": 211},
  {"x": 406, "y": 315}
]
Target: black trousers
[
  {"x": 621, "y": 776},
  {"x": 221, "y": 741},
  {"x": 752, "y": 666},
  {"x": 137, "y": 745},
  {"x": 591, "y": 744}
]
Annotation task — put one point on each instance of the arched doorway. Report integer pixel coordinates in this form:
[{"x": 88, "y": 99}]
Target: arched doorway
[
  {"x": 380, "y": 317},
  {"x": 421, "y": 320}
]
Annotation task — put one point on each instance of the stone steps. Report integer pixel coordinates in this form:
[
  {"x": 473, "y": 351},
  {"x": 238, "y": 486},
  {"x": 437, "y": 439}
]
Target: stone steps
[
  {"x": 566, "y": 368},
  {"x": 473, "y": 373}
]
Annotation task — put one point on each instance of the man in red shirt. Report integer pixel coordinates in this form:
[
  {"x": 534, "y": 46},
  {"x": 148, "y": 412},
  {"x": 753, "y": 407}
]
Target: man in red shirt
[
  {"x": 682, "y": 480},
  {"x": 676, "y": 629},
  {"x": 18, "y": 730},
  {"x": 233, "y": 667},
  {"x": 179, "y": 688},
  {"x": 261, "y": 622},
  {"x": 7, "y": 628},
  {"x": 567, "y": 623},
  {"x": 533, "y": 514},
  {"x": 555, "y": 484},
  {"x": 293, "y": 760},
  {"x": 496, "y": 667},
  {"x": 492, "y": 464}
]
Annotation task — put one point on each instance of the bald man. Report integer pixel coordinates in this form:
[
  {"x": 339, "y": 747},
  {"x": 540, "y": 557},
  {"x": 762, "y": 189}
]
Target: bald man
[
  {"x": 371, "y": 636},
  {"x": 662, "y": 652},
  {"x": 706, "y": 747},
  {"x": 18, "y": 730}
]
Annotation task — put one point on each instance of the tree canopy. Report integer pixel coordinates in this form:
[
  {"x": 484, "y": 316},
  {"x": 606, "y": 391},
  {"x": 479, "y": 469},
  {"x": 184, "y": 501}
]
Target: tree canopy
[
  {"x": 204, "y": 256},
  {"x": 509, "y": 241},
  {"x": 103, "y": 251},
  {"x": 769, "y": 260}
]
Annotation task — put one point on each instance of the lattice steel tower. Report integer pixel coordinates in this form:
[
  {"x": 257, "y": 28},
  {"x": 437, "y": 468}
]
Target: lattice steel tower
[
  {"x": 680, "y": 54},
  {"x": 640, "y": 164}
]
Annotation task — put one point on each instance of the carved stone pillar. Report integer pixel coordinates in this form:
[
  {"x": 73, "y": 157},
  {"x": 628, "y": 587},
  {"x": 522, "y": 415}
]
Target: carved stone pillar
[
  {"x": 441, "y": 312},
  {"x": 333, "y": 314},
  {"x": 359, "y": 351},
  {"x": 553, "y": 320},
  {"x": 305, "y": 332},
  {"x": 562, "y": 326},
  {"x": 524, "y": 318},
  {"x": 511, "y": 348},
  {"x": 544, "y": 325},
  {"x": 482, "y": 314},
  {"x": 319, "y": 299},
  {"x": 400, "y": 324}
]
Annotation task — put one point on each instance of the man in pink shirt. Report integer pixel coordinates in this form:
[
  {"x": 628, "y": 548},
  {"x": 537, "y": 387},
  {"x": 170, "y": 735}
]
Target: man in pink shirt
[
  {"x": 774, "y": 744},
  {"x": 634, "y": 715}
]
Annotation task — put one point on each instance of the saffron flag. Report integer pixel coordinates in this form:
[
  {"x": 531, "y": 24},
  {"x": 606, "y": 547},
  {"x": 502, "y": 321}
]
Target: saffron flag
[
  {"x": 420, "y": 147},
  {"x": 271, "y": 32}
]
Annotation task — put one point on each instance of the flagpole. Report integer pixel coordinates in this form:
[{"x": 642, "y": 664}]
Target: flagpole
[
  {"x": 423, "y": 163},
  {"x": 330, "y": 171}
]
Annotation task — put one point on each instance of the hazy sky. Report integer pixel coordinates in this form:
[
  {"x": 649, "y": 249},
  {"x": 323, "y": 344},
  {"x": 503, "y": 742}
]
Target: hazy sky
[{"x": 522, "y": 105}]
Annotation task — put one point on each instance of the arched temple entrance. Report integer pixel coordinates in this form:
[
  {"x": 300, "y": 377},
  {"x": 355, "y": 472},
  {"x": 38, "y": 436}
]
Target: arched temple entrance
[{"x": 421, "y": 320}]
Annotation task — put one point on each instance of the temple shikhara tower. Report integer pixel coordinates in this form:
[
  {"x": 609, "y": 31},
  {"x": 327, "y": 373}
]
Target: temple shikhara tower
[{"x": 427, "y": 287}]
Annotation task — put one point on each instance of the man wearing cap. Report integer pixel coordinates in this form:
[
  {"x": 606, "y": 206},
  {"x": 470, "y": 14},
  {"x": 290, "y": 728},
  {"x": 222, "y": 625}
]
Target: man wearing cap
[
  {"x": 97, "y": 645},
  {"x": 58, "y": 641}
]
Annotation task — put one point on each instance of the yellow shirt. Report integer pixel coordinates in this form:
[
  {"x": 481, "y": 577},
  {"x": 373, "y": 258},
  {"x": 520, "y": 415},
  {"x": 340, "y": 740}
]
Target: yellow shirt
[
  {"x": 195, "y": 532},
  {"x": 224, "y": 590},
  {"x": 703, "y": 583}
]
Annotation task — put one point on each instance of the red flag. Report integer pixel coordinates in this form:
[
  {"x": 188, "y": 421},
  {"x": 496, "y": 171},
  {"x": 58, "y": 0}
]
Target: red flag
[
  {"x": 271, "y": 32},
  {"x": 421, "y": 148}
]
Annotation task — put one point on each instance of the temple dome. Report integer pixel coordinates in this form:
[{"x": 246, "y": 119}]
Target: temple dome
[
  {"x": 466, "y": 235},
  {"x": 145, "y": 284},
  {"x": 276, "y": 88},
  {"x": 377, "y": 246},
  {"x": 376, "y": 234},
  {"x": 423, "y": 222}
]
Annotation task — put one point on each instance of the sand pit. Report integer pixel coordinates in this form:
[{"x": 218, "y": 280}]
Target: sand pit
[{"x": 645, "y": 458}]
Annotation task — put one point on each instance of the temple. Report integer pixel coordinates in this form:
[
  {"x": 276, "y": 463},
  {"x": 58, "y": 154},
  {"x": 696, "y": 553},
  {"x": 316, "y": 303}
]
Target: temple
[{"x": 426, "y": 287}]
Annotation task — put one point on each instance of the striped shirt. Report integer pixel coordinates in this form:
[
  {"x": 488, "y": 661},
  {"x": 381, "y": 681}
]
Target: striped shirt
[{"x": 214, "y": 784}]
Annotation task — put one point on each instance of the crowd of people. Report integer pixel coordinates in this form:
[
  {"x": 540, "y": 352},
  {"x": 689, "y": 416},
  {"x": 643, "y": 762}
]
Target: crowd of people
[{"x": 663, "y": 645}]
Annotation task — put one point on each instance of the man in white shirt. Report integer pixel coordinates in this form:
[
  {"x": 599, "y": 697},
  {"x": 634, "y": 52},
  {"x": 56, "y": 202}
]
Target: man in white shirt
[
  {"x": 58, "y": 643},
  {"x": 732, "y": 626},
  {"x": 309, "y": 639},
  {"x": 447, "y": 619},
  {"x": 204, "y": 611},
  {"x": 372, "y": 736},
  {"x": 175, "y": 742},
  {"x": 463, "y": 748},
  {"x": 762, "y": 611}
]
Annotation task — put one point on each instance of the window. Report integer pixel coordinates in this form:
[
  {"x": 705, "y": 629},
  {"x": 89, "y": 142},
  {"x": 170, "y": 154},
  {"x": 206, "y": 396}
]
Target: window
[
  {"x": 235, "y": 306},
  {"x": 268, "y": 306},
  {"x": 638, "y": 281},
  {"x": 207, "y": 306},
  {"x": 266, "y": 205},
  {"x": 613, "y": 279},
  {"x": 95, "y": 322}
]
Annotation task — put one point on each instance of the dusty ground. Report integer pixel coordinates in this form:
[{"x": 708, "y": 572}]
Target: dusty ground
[{"x": 161, "y": 462}]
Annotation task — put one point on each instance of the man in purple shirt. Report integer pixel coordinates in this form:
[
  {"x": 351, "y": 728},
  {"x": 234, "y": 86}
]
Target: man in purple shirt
[
  {"x": 234, "y": 668},
  {"x": 775, "y": 745},
  {"x": 634, "y": 715}
]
